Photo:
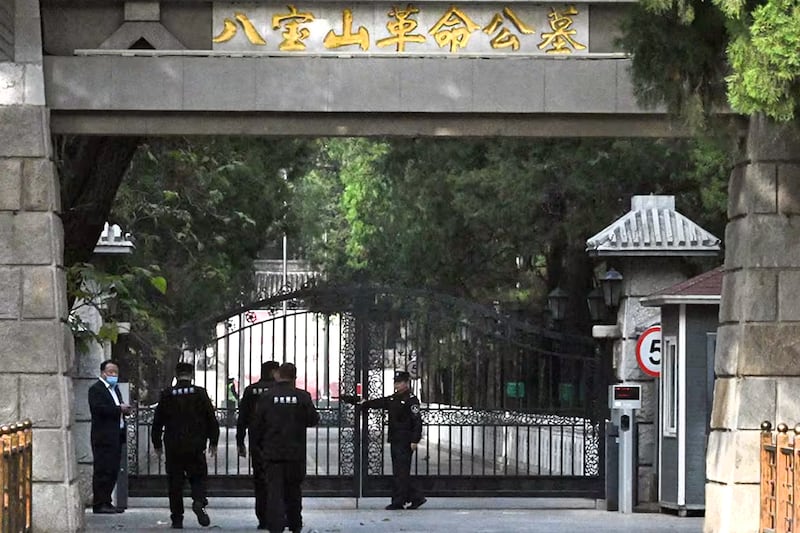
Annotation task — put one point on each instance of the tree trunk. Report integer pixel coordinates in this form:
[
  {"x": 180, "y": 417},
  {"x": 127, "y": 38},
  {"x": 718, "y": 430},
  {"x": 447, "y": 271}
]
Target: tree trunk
[{"x": 90, "y": 170}]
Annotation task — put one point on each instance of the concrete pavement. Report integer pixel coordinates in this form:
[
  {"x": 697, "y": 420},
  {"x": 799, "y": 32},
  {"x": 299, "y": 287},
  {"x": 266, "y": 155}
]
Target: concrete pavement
[{"x": 451, "y": 515}]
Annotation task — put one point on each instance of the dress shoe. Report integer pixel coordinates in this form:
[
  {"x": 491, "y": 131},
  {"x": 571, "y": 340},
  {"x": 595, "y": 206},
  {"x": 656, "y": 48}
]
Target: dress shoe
[
  {"x": 393, "y": 507},
  {"x": 202, "y": 516},
  {"x": 177, "y": 525},
  {"x": 105, "y": 509},
  {"x": 416, "y": 504},
  {"x": 119, "y": 509}
]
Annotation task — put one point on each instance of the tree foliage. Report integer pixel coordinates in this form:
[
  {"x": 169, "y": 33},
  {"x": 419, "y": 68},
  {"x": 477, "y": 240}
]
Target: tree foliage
[
  {"x": 202, "y": 210},
  {"x": 684, "y": 50},
  {"x": 455, "y": 215}
]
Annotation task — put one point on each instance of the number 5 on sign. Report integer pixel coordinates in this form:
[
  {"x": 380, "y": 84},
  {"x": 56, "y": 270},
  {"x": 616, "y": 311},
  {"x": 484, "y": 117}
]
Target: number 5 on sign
[{"x": 648, "y": 351}]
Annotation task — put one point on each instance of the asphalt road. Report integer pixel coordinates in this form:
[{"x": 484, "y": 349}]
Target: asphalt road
[{"x": 452, "y": 515}]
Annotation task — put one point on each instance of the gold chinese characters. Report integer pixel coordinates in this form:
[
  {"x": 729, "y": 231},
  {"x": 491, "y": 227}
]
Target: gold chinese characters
[{"x": 453, "y": 29}]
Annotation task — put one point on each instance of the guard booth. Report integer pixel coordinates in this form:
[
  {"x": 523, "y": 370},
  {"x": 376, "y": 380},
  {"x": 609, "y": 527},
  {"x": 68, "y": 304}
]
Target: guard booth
[{"x": 689, "y": 320}]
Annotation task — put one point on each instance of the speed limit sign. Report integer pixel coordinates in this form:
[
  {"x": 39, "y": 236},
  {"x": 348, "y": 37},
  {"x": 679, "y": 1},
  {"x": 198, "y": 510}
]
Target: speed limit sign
[{"x": 648, "y": 351}]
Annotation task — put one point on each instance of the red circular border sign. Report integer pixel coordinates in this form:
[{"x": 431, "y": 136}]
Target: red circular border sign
[{"x": 646, "y": 333}]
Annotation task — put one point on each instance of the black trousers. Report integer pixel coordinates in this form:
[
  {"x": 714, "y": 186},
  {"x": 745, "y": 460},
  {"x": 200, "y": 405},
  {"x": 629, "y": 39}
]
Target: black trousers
[
  {"x": 260, "y": 486},
  {"x": 183, "y": 465},
  {"x": 106, "y": 457},
  {"x": 284, "y": 495},
  {"x": 404, "y": 490}
]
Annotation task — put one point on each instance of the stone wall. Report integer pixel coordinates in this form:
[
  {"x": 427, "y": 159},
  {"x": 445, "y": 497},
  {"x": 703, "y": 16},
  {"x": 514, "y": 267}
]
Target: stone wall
[
  {"x": 757, "y": 363},
  {"x": 36, "y": 348},
  {"x": 642, "y": 276},
  {"x": 6, "y": 30}
]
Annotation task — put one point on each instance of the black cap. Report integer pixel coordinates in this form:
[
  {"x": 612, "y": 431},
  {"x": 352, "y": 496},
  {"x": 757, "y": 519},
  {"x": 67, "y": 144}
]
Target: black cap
[
  {"x": 184, "y": 368},
  {"x": 401, "y": 375}
]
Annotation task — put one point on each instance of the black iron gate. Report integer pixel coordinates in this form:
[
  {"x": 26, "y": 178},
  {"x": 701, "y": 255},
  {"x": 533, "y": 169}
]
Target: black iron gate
[{"x": 508, "y": 408}]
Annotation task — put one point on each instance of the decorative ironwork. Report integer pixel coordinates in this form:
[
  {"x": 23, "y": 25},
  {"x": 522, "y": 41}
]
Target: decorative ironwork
[
  {"x": 375, "y": 385},
  {"x": 592, "y": 452},
  {"x": 464, "y": 416},
  {"x": 347, "y": 431},
  {"x": 501, "y": 398},
  {"x": 132, "y": 439}
]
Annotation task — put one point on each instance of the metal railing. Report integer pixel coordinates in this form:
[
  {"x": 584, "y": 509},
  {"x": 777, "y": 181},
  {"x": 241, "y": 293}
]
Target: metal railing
[
  {"x": 16, "y": 476},
  {"x": 780, "y": 479}
]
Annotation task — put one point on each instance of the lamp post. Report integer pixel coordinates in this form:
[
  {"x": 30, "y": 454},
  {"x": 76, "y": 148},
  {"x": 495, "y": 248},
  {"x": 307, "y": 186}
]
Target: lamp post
[
  {"x": 597, "y": 305},
  {"x": 285, "y": 278},
  {"x": 557, "y": 303},
  {"x": 611, "y": 282}
]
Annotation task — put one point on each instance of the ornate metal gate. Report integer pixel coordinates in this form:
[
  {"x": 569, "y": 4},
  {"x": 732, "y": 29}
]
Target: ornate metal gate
[{"x": 508, "y": 408}]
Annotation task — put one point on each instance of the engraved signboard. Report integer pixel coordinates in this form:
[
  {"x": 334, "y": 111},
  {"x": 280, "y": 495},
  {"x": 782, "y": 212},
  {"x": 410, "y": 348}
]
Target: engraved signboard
[{"x": 402, "y": 29}]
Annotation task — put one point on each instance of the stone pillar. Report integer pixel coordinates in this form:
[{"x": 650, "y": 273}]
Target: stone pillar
[
  {"x": 642, "y": 276},
  {"x": 757, "y": 363},
  {"x": 36, "y": 349}
]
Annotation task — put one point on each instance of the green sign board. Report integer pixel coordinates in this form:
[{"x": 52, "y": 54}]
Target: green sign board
[{"x": 515, "y": 389}]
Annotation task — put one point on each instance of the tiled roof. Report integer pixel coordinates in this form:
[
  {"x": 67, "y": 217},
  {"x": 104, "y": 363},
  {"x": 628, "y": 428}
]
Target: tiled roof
[
  {"x": 705, "y": 288},
  {"x": 653, "y": 228},
  {"x": 269, "y": 276},
  {"x": 113, "y": 241}
]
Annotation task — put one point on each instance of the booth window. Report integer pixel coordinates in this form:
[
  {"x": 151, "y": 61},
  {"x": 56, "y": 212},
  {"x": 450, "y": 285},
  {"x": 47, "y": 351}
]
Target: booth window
[{"x": 669, "y": 400}]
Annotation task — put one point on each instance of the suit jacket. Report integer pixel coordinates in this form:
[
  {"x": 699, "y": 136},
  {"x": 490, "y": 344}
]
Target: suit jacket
[{"x": 105, "y": 416}]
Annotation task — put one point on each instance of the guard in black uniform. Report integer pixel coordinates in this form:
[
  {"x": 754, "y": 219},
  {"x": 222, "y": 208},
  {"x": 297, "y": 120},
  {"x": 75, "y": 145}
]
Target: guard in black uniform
[
  {"x": 186, "y": 416},
  {"x": 279, "y": 438},
  {"x": 247, "y": 408},
  {"x": 405, "y": 432}
]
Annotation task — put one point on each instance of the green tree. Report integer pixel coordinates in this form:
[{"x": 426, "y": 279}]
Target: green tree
[
  {"x": 690, "y": 54},
  {"x": 201, "y": 210},
  {"x": 455, "y": 215}
]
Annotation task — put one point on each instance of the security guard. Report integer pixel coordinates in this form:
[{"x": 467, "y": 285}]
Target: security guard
[
  {"x": 247, "y": 408},
  {"x": 186, "y": 416},
  {"x": 279, "y": 437},
  {"x": 405, "y": 432}
]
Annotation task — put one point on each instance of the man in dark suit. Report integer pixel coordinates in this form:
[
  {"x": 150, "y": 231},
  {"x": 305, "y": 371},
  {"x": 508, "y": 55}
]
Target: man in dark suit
[
  {"x": 108, "y": 433},
  {"x": 187, "y": 419},
  {"x": 247, "y": 408}
]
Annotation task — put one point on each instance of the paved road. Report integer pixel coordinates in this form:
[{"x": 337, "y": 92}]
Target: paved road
[{"x": 451, "y": 515}]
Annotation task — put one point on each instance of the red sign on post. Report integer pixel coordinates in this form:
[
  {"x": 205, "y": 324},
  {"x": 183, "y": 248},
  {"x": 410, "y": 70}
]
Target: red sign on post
[{"x": 648, "y": 351}]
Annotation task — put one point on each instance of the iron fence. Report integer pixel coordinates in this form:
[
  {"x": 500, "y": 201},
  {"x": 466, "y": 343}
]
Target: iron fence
[{"x": 508, "y": 407}]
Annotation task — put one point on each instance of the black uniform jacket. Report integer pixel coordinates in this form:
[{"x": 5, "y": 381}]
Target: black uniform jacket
[
  {"x": 247, "y": 407},
  {"x": 105, "y": 415},
  {"x": 405, "y": 419},
  {"x": 186, "y": 416},
  {"x": 279, "y": 426}
]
